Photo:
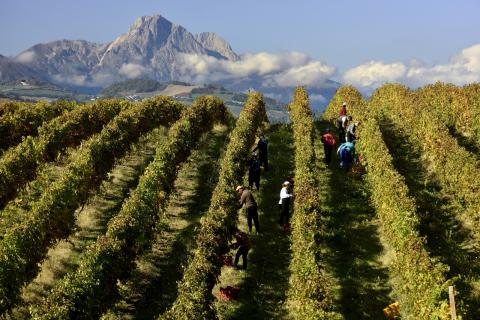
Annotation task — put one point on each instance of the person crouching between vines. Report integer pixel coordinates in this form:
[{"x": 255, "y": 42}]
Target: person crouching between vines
[
  {"x": 346, "y": 153},
  {"x": 242, "y": 242},
  {"x": 246, "y": 198}
]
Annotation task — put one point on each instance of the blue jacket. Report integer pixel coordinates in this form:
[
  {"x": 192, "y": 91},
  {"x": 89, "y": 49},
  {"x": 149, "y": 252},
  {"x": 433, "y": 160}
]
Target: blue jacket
[{"x": 348, "y": 146}]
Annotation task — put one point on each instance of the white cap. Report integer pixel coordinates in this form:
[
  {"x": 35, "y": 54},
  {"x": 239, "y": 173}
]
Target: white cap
[
  {"x": 238, "y": 188},
  {"x": 286, "y": 182},
  {"x": 344, "y": 104}
]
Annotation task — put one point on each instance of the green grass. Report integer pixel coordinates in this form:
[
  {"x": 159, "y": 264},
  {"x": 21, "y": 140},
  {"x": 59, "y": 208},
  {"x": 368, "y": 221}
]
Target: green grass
[
  {"x": 91, "y": 219},
  {"x": 152, "y": 287},
  {"x": 264, "y": 284}
]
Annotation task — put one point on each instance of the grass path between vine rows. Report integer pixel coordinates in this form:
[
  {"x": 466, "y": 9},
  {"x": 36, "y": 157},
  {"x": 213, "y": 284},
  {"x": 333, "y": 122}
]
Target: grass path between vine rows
[
  {"x": 263, "y": 286},
  {"x": 355, "y": 255},
  {"x": 91, "y": 220},
  {"x": 152, "y": 287},
  {"x": 448, "y": 235}
]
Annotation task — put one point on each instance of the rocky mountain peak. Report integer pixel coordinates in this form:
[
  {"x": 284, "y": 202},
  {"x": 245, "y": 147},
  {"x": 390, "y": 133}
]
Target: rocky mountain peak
[
  {"x": 214, "y": 42},
  {"x": 156, "y": 28},
  {"x": 153, "y": 48}
]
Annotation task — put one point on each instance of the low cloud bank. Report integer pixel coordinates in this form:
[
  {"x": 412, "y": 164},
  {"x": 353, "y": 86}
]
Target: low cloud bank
[
  {"x": 283, "y": 70},
  {"x": 269, "y": 72},
  {"x": 462, "y": 68}
]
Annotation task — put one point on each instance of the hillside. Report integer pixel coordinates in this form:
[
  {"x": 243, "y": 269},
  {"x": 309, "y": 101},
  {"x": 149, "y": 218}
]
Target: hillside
[{"x": 138, "y": 89}]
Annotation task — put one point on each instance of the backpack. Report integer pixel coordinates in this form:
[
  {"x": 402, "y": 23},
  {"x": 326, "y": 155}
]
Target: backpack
[{"x": 328, "y": 139}]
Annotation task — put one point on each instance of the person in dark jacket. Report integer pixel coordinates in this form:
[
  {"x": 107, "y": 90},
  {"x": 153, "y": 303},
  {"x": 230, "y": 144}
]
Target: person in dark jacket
[
  {"x": 328, "y": 144},
  {"x": 246, "y": 198},
  {"x": 262, "y": 147},
  {"x": 253, "y": 172},
  {"x": 242, "y": 242}
]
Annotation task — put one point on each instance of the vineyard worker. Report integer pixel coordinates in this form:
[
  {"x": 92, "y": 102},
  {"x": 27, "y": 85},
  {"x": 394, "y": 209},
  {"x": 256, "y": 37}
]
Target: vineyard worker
[
  {"x": 243, "y": 244},
  {"x": 246, "y": 198},
  {"x": 328, "y": 144},
  {"x": 254, "y": 172},
  {"x": 285, "y": 196},
  {"x": 342, "y": 123},
  {"x": 346, "y": 153},
  {"x": 351, "y": 131},
  {"x": 343, "y": 109},
  {"x": 262, "y": 147}
]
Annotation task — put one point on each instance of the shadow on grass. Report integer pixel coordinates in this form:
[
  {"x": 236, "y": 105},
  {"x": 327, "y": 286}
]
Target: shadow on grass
[
  {"x": 447, "y": 239},
  {"x": 470, "y": 144},
  {"x": 353, "y": 241},
  {"x": 263, "y": 286},
  {"x": 152, "y": 289}
]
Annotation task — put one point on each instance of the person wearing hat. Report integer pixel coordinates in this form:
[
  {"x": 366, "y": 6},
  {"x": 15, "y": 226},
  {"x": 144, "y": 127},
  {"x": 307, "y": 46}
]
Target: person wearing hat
[
  {"x": 328, "y": 144},
  {"x": 246, "y": 198},
  {"x": 343, "y": 109},
  {"x": 285, "y": 196}
]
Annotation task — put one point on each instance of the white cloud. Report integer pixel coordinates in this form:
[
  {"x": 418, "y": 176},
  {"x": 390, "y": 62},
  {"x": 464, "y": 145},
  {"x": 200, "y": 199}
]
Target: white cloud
[
  {"x": 374, "y": 73},
  {"x": 131, "y": 70},
  {"x": 287, "y": 69},
  {"x": 25, "y": 57},
  {"x": 317, "y": 98},
  {"x": 461, "y": 69},
  {"x": 77, "y": 80}
]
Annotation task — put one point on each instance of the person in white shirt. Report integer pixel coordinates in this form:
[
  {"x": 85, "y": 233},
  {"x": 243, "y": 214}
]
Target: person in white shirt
[{"x": 285, "y": 196}]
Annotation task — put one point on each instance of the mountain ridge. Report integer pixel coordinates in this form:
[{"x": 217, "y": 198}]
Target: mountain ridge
[{"x": 152, "y": 48}]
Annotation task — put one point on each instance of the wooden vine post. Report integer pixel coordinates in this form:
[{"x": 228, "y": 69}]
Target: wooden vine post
[{"x": 451, "y": 294}]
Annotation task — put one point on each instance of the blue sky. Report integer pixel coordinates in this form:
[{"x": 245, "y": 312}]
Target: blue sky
[{"x": 344, "y": 34}]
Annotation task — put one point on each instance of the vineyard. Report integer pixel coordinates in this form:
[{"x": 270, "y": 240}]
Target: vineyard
[{"x": 124, "y": 210}]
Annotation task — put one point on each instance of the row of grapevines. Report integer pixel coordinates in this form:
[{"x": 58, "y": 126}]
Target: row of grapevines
[
  {"x": 195, "y": 290},
  {"x": 455, "y": 106},
  {"x": 467, "y": 105},
  {"x": 27, "y": 118},
  {"x": 88, "y": 291},
  {"x": 7, "y": 107},
  {"x": 456, "y": 169},
  {"x": 18, "y": 165},
  {"x": 422, "y": 286},
  {"x": 52, "y": 216},
  {"x": 309, "y": 295},
  {"x": 347, "y": 94}
]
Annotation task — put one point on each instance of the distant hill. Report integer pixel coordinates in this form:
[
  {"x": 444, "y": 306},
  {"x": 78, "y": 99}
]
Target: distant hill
[
  {"x": 132, "y": 86},
  {"x": 138, "y": 89},
  {"x": 10, "y": 70},
  {"x": 34, "y": 90}
]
